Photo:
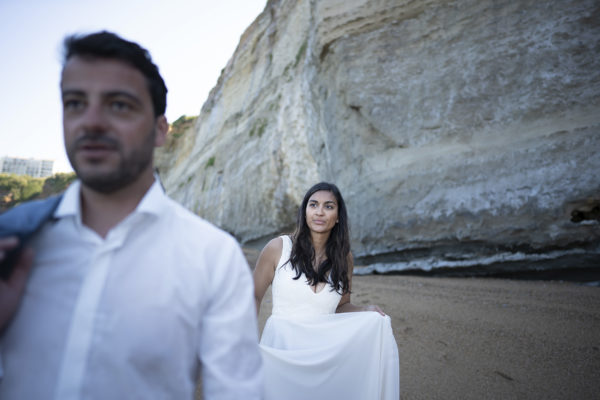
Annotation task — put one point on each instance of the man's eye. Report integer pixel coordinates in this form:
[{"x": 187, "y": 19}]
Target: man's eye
[
  {"x": 72, "y": 105},
  {"x": 120, "y": 106}
]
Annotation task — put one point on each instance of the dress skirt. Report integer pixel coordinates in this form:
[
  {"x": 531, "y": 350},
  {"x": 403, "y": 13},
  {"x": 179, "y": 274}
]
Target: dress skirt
[{"x": 350, "y": 356}]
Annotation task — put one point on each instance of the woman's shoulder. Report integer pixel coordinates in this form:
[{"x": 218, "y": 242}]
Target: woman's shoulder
[
  {"x": 273, "y": 248},
  {"x": 275, "y": 243},
  {"x": 281, "y": 242}
]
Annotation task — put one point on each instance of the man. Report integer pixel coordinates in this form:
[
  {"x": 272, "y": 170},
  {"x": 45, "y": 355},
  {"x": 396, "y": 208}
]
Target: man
[{"x": 130, "y": 295}]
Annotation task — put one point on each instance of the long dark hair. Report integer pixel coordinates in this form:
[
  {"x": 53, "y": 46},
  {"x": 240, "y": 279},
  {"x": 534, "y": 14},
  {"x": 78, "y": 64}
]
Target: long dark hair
[{"x": 337, "y": 247}]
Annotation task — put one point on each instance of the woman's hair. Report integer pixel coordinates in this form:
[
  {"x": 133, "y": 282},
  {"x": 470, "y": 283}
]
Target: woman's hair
[{"x": 337, "y": 248}]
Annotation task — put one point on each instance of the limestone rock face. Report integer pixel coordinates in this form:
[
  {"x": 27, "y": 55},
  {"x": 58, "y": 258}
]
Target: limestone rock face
[{"x": 453, "y": 128}]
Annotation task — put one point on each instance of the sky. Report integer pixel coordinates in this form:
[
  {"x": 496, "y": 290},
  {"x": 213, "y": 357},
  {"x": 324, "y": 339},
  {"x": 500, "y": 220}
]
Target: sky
[{"x": 189, "y": 40}]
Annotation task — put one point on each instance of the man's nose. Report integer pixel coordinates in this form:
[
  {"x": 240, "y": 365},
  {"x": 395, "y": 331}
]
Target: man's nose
[{"x": 94, "y": 117}]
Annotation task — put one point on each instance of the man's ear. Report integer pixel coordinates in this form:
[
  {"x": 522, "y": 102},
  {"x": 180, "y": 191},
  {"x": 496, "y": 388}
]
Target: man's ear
[{"x": 162, "y": 127}]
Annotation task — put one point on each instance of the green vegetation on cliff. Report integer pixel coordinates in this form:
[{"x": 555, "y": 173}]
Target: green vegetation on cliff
[
  {"x": 181, "y": 124},
  {"x": 15, "y": 189}
]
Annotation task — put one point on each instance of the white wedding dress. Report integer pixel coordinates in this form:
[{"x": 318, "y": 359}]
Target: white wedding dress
[{"x": 312, "y": 353}]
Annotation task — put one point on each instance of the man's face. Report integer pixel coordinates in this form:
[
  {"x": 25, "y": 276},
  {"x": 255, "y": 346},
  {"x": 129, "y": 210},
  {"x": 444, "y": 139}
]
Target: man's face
[{"x": 109, "y": 126}]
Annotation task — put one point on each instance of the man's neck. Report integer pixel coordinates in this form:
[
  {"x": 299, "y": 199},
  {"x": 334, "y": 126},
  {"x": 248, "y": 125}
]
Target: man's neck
[{"x": 101, "y": 212}]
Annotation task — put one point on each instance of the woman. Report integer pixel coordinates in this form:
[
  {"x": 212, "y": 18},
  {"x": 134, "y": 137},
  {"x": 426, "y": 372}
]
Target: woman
[{"x": 310, "y": 349}]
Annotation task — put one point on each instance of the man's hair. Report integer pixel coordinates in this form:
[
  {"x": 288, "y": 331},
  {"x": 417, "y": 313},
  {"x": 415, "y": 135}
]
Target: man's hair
[{"x": 108, "y": 45}]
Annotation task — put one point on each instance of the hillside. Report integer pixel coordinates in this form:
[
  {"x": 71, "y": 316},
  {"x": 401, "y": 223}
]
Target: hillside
[{"x": 15, "y": 189}]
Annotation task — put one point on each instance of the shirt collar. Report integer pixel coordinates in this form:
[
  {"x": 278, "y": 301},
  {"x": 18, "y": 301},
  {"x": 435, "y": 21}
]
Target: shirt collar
[
  {"x": 153, "y": 201},
  {"x": 70, "y": 205}
]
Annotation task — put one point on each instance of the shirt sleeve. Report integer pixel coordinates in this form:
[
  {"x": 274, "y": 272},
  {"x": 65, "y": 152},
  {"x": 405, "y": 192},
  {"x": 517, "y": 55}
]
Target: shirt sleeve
[{"x": 228, "y": 339}]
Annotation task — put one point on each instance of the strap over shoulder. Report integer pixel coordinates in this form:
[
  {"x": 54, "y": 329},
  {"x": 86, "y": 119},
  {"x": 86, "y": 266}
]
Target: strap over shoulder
[{"x": 286, "y": 250}]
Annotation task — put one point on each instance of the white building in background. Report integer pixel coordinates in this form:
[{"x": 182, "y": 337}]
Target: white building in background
[{"x": 26, "y": 166}]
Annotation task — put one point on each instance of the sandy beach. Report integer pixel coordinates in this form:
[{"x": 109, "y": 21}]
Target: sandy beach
[
  {"x": 484, "y": 338},
  {"x": 467, "y": 338}
]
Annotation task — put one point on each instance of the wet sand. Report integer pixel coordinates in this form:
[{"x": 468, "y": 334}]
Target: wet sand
[{"x": 467, "y": 338}]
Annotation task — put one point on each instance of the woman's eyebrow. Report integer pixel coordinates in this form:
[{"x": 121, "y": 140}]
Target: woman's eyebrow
[{"x": 325, "y": 202}]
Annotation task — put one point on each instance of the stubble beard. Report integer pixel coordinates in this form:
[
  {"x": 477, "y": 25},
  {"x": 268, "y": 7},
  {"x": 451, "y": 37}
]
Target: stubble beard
[{"x": 129, "y": 169}]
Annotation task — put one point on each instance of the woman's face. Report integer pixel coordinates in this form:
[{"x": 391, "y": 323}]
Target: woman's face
[{"x": 321, "y": 212}]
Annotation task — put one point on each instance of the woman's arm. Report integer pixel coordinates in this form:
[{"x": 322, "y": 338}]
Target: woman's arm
[
  {"x": 345, "y": 305},
  {"x": 264, "y": 271}
]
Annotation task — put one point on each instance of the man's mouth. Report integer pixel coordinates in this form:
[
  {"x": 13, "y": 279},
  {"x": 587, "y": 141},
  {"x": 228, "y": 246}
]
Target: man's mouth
[{"x": 94, "y": 148}]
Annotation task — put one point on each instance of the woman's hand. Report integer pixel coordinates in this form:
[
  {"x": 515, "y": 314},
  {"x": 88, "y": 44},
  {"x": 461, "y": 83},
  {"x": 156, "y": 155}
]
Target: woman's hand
[
  {"x": 345, "y": 304},
  {"x": 349, "y": 307},
  {"x": 373, "y": 307}
]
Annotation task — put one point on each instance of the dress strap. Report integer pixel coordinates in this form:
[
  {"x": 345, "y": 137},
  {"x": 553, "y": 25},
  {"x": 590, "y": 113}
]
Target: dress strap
[{"x": 286, "y": 250}]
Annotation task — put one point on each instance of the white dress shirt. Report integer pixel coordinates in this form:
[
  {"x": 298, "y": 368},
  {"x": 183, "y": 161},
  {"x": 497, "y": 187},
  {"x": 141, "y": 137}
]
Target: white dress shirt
[{"x": 136, "y": 315}]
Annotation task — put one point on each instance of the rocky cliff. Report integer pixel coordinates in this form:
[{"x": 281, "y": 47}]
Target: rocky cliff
[{"x": 458, "y": 131}]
